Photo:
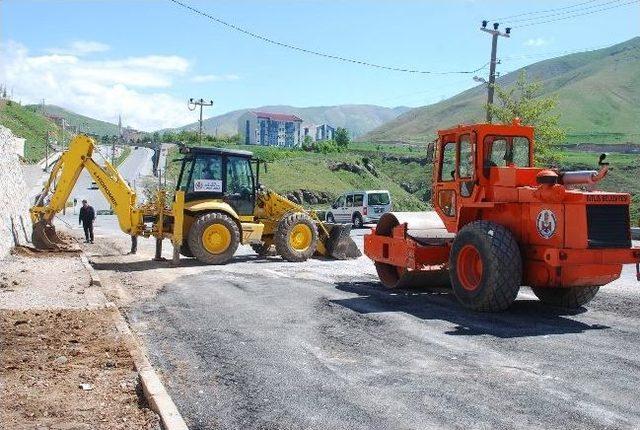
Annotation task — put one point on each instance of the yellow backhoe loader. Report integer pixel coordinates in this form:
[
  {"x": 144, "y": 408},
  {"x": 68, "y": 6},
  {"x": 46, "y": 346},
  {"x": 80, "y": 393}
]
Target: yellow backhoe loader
[{"x": 218, "y": 204}]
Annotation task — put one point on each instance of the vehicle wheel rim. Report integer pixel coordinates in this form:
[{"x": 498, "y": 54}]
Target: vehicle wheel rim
[
  {"x": 300, "y": 237},
  {"x": 216, "y": 238},
  {"x": 469, "y": 268}
]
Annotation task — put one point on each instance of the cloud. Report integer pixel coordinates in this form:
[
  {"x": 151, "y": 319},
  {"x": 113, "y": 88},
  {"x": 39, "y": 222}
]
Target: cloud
[
  {"x": 538, "y": 41},
  {"x": 214, "y": 78},
  {"x": 80, "y": 47},
  {"x": 136, "y": 87}
]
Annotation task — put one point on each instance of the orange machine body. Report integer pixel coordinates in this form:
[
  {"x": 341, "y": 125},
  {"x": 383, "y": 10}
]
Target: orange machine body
[{"x": 568, "y": 237}]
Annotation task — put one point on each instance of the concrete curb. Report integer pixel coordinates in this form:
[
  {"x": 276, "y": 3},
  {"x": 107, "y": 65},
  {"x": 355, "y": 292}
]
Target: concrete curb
[
  {"x": 94, "y": 279},
  {"x": 154, "y": 391}
]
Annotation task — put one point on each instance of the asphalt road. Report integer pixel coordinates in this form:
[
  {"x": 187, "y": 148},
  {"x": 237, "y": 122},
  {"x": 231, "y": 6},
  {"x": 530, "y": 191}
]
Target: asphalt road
[
  {"x": 139, "y": 163},
  {"x": 264, "y": 344}
]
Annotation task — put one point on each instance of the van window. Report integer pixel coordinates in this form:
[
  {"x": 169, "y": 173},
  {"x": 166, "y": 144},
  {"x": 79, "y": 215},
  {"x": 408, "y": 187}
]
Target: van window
[
  {"x": 358, "y": 200},
  {"x": 340, "y": 202},
  {"x": 378, "y": 199},
  {"x": 350, "y": 201}
]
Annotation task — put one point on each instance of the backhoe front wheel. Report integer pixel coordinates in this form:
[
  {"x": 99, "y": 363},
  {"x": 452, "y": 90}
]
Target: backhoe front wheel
[
  {"x": 296, "y": 237},
  {"x": 569, "y": 298},
  {"x": 214, "y": 238},
  {"x": 486, "y": 267}
]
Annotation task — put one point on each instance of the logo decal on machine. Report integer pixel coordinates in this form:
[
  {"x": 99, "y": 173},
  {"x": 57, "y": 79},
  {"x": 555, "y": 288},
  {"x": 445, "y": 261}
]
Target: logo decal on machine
[{"x": 546, "y": 223}]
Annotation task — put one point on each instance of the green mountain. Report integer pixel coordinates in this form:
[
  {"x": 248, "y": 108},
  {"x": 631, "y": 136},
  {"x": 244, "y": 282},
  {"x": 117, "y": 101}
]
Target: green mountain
[
  {"x": 598, "y": 97},
  {"x": 29, "y": 124},
  {"x": 358, "y": 119},
  {"x": 84, "y": 123}
]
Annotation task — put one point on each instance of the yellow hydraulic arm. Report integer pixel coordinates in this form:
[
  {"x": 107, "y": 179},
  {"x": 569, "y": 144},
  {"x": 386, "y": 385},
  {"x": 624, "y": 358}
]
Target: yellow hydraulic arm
[{"x": 63, "y": 178}]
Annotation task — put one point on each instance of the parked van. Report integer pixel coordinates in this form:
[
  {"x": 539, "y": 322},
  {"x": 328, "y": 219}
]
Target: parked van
[{"x": 360, "y": 207}]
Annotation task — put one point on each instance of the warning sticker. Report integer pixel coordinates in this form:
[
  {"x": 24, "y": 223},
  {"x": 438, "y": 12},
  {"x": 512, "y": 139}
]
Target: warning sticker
[{"x": 207, "y": 185}]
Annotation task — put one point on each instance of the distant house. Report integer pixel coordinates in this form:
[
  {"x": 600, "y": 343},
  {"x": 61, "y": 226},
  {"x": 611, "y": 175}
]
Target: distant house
[
  {"x": 270, "y": 129},
  {"x": 325, "y": 132}
]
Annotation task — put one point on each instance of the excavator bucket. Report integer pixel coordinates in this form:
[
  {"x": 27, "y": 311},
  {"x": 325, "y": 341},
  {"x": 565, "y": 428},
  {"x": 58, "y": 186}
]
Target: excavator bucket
[
  {"x": 44, "y": 236},
  {"x": 335, "y": 241}
]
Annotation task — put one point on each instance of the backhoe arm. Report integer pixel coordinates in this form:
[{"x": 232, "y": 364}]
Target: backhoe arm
[{"x": 63, "y": 178}]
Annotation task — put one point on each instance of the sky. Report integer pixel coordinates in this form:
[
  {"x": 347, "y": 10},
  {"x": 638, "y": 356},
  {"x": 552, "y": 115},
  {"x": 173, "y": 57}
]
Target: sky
[{"x": 144, "y": 59}]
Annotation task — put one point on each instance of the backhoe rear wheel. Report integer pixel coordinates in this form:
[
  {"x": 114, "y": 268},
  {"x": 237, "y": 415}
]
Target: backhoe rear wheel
[
  {"x": 486, "y": 267},
  {"x": 214, "y": 238},
  {"x": 569, "y": 298},
  {"x": 296, "y": 237}
]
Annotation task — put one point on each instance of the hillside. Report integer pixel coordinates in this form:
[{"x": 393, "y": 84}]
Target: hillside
[
  {"x": 30, "y": 125},
  {"x": 598, "y": 96},
  {"x": 358, "y": 119},
  {"x": 84, "y": 123}
]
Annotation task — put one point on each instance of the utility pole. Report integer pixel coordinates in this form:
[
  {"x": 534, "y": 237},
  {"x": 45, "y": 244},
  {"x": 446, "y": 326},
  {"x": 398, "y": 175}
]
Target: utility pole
[
  {"x": 46, "y": 150},
  {"x": 192, "y": 104},
  {"x": 492, "y": 65}
]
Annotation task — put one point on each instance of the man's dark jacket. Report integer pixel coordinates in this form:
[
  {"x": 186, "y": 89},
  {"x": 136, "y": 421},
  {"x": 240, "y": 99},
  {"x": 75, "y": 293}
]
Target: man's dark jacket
[{"x": 87, "y": 215}]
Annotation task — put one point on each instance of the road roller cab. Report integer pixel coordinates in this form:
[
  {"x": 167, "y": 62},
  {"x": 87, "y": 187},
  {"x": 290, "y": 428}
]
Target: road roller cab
[{"x": 502, "y": 223}]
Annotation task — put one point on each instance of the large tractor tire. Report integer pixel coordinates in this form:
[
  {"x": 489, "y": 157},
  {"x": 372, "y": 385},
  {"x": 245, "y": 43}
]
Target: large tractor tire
[
  {"x": 569, "y": 298},
  {"x": 485, "y": 267},
  {"x": 214, "y": 238},
  {"x": 296, "y": 237},
  {"x": 185, "y": 250}
]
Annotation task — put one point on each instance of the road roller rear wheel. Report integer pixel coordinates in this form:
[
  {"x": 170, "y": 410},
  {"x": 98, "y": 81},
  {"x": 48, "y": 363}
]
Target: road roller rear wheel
[
  {"x": 569, "y": 298},
  {"x": 486, "y": 267}
]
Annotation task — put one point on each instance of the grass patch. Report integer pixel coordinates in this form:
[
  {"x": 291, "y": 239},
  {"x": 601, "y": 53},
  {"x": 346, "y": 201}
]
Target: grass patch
[{"x": 30, "y": 125}]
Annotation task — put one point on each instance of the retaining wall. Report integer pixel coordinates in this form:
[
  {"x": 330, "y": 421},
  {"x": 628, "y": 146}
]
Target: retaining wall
[{"x": 15, "y": 224}]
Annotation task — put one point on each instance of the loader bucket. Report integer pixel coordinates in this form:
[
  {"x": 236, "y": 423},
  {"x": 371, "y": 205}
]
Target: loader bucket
[
  {"x": 44, "y": 236},
  {"x": 335, "y": 241}
]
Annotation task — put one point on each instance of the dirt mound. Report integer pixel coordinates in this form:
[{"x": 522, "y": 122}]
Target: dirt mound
[{"x": 68, "y": 369}]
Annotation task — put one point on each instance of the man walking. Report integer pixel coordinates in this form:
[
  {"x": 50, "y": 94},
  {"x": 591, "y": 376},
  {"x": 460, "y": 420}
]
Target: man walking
[{"x": 87, "y": 215}]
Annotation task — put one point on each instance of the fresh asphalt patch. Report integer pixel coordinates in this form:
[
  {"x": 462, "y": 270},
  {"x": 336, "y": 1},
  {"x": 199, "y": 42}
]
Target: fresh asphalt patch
[{"x": 267, "y": 350}]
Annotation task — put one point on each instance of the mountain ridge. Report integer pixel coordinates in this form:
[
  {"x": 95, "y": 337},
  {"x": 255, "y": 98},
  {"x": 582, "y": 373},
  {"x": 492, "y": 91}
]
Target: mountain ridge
[{"x": 598, "y": 92}]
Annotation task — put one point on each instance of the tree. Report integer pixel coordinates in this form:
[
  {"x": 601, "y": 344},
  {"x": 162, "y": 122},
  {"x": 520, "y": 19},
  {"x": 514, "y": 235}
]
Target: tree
[
  {"x": 522, "y": 100},
  {"x": 342, "y": 137},
  {"x": 307, "y": 143}
]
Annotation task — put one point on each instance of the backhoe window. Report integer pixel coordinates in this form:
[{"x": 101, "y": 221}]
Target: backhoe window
[
  {"x": 239, "y": 177},
  {"x": 207, "y": 175},
  {"x": 504, "y": 151},
  {"x": 448, "y": 164}
]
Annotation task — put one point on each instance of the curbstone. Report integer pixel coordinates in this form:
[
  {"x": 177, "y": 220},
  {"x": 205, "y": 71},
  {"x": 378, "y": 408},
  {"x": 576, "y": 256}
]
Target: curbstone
[
  {"x": 93, "y": 275},
  {"x": 154, "y": 391}
]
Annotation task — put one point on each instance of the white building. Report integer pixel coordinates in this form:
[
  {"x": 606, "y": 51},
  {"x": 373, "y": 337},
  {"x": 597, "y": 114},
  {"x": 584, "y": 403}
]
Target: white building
[{"x": 271, "y": 129}]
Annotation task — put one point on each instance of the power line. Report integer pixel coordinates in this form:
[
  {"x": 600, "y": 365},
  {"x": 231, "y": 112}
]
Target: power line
[
  {"x": 318, "y": 53},
  {"x": 578, "y": 15},
  {"x": 567, "y": 12},
  {"x": 542, "y": 11}
]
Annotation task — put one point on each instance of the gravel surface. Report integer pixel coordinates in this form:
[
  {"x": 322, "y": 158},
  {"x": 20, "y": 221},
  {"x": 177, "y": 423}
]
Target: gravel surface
[{"x": 43, "y": 280}]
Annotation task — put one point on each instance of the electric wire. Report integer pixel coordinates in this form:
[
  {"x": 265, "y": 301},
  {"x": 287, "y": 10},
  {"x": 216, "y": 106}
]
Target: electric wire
[
  {"x": 319, "y": 53},
  {"x": 567, "y": 12},
  {"x": 541, "y": 11},
  {"x": 578, "y": 15}
]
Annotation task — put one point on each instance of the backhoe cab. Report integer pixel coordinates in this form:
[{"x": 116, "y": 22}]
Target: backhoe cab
[
  {"x": 218, "y": 205},
  {"x": 502, "y": 222}
]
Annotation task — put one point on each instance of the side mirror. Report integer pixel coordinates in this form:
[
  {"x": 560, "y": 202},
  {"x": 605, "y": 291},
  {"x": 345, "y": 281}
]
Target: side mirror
[
  {"x": 334, "y": 206},
  {"x": 430, "y": 148},
  {"x": 601, "y": 162}
]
